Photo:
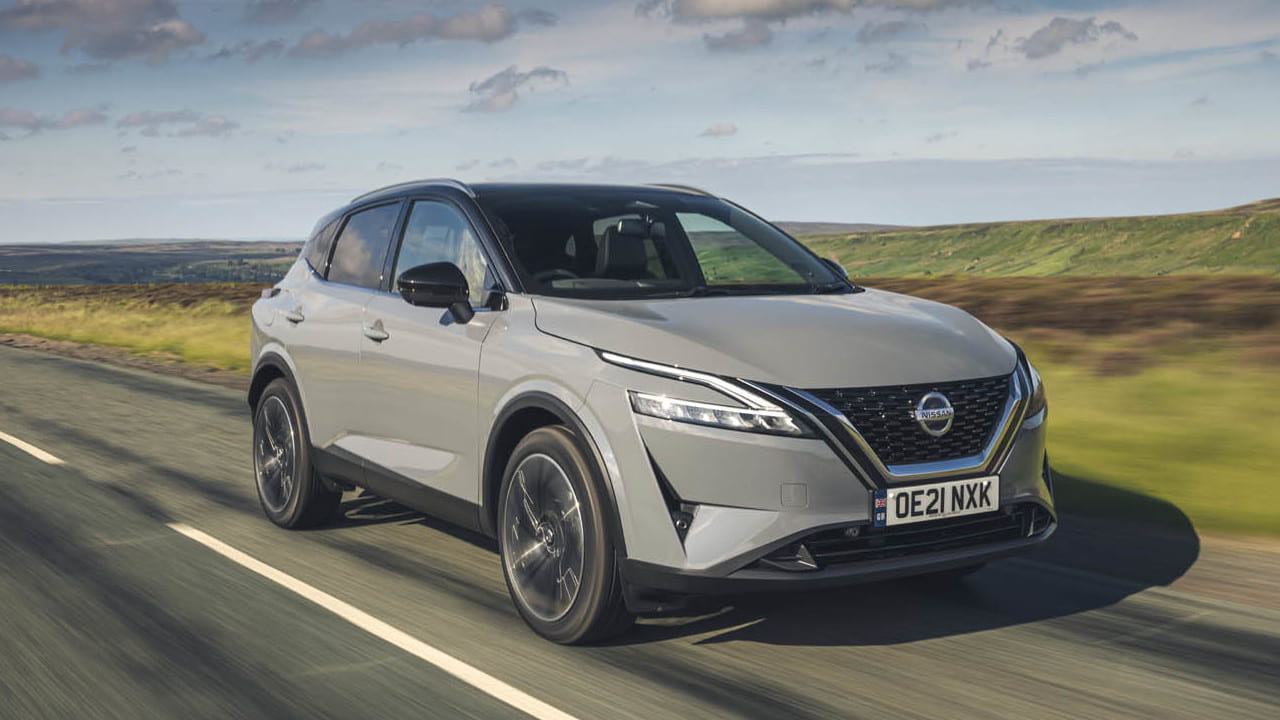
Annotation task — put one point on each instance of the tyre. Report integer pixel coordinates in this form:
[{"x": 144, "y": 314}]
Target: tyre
[
  {"x": 557, "y": 552},
  {"x": 292, "y": 494}
]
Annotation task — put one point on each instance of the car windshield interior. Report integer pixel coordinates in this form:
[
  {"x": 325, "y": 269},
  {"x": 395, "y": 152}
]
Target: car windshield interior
[{"x": 635, "y": 242}]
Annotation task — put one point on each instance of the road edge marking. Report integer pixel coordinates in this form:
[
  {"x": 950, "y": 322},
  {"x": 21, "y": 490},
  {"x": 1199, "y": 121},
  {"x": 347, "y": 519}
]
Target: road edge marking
[
  {"x": 31, "y": 450},
  {"x": 469, "y": 674}
]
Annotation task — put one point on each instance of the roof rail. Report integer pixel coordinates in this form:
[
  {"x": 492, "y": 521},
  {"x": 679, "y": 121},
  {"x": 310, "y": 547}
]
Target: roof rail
[
  {"x": 449, "y": 182},
  {"x": 686, "y": 188}
]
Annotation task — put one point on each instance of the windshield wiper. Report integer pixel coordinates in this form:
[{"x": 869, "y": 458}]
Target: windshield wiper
[{"x": 831, "y": 287}]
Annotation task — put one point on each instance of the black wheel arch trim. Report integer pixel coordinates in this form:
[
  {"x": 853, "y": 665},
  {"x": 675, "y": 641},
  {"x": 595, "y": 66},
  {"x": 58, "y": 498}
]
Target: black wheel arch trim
[
  {"x": 553, "y": 405},
  {"x": 274, "y": 361}
]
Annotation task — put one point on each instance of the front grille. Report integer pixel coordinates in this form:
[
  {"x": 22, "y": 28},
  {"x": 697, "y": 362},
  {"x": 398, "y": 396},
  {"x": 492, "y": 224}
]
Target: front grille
[
  {"x": 835, "y": 547},
  {"x": 884, "y": 417}
]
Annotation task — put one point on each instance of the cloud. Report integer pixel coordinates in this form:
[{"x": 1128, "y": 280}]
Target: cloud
[
  {"x": 488, "y": 24},
  {"x": 135, "y": 175},
  {"x": 296, "y": 168},
  {"x": 776, "y": 10},
  {"x": 81, "y": 118},
  {"x": 32, "y": 123},
  {"x": 149, "y": 30},
  {"x": 500, "y": 91},
  {"x": 250, "y": 50},
  {"x": 13, "y": 69},
  {"x": 1060, "y": 32},
  {"x": 533, "y": 16},
  {"x": 212, "y": 126},
  {"x": 1269, "y": 56},
  {"x": 151, "y": 118},
  {"x": 893, "y": 63},
  {"x": 720, "y": 130},
  {"x": 193, "y": 124},
  {"x": 890, "y": 30},
  {"x": 271, "y": 12},
  {"x": 754, "y": 33},
  {"x": 88, "y": 68}
]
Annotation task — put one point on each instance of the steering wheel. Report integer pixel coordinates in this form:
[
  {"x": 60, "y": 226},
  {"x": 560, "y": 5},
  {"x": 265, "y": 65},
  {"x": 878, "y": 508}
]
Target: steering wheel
[{"x": 555, "y": 274}]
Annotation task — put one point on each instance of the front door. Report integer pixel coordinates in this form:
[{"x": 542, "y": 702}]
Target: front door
[{"x": 419, "y": 368}]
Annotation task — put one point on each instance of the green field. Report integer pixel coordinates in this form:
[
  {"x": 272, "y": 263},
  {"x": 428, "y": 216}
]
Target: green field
[{"x": 1242, "y": 240}]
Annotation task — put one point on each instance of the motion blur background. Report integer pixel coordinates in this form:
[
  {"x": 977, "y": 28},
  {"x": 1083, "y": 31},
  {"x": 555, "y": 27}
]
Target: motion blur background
[{"x": 161, "y": 161}]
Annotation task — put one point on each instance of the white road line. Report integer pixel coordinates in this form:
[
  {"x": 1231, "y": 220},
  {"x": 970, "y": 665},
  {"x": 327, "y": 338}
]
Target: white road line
[
  {"x": 31, "y": 450},
  {"x": 472, "y": 676}
]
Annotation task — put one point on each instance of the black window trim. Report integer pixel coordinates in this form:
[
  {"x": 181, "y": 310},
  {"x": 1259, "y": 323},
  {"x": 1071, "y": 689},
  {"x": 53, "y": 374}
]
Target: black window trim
[{"x": 327, "y": 233}]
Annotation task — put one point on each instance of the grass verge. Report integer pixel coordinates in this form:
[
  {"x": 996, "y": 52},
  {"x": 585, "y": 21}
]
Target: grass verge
[{"x": 204, "y": 325}]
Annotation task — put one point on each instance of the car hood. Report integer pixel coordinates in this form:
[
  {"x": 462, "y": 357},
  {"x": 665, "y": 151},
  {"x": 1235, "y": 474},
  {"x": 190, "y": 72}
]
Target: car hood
[{"x": 861, "y": 339}]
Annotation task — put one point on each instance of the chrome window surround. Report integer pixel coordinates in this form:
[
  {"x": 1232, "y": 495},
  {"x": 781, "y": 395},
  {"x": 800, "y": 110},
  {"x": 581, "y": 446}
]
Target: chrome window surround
[{"x": 996, "y": 448}]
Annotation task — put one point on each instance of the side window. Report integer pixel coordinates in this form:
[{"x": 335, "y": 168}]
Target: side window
[
  {"x": 728, "y": 257},
  {"x": 317, "y": 249},
  {"x": 438, "y": 232},
  {"x": 362, "y": 246}
]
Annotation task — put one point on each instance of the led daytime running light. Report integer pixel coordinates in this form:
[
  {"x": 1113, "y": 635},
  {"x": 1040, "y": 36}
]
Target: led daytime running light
[{"x": 771, "y": 421}]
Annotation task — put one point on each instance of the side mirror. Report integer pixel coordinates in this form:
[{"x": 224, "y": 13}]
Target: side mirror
[
  {"x": 836, "y": 267},
  {"x": 439, "y": 285}
]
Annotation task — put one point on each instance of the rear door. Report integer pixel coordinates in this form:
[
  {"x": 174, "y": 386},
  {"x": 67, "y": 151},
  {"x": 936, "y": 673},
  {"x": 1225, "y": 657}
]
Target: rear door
[
  {"x": 419, "y": 368},
  {"x": 323, "y": 322}
]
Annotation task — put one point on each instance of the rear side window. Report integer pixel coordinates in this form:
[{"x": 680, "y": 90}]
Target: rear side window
[
  {"x": 316, "y": 251},
  {"x": 362, "y": 246}
]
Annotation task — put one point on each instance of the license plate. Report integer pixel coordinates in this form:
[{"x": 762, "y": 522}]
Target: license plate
[{"x": 919, "y": 503}]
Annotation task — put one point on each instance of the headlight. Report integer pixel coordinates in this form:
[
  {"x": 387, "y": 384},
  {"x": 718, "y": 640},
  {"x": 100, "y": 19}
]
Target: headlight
[
  {"x": 773, "y": 422},
  {"x": 761, "y": 415}
]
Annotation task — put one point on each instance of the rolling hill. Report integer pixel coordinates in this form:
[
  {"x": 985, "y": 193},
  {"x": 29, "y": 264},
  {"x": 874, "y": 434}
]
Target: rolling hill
[
  {"x": 143, "y": 261},
  {"x": 1239, "y": 240}
]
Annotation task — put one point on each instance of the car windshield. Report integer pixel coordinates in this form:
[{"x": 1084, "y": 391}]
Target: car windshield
[{"x": 608, "y": 243}]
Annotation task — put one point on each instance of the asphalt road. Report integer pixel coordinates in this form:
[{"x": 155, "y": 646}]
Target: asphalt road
[{"x": 108, "y": 612}]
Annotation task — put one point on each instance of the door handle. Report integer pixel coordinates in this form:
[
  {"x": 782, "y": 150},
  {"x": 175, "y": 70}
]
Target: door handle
[
  {"x": 295, "y": 315},
  {"x": 375, "y": 332}
]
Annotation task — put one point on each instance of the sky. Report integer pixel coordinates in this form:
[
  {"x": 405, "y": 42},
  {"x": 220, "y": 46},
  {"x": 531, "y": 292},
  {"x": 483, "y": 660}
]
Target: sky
[{"x": 250, "y": 119}]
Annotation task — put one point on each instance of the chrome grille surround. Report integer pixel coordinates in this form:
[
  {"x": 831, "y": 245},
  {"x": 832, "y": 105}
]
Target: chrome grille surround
[{"x": 839, "y": 429}]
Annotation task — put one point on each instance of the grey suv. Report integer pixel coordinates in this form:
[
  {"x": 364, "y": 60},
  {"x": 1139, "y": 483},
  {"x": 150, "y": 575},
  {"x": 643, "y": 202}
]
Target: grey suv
[{"x": 644, "y": 393}]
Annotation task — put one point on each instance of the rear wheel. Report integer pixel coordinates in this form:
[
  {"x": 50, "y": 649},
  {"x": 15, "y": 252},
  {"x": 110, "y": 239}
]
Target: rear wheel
[
  {"x": 557, "y": 554},
  {"x": 291, "y": 493}
]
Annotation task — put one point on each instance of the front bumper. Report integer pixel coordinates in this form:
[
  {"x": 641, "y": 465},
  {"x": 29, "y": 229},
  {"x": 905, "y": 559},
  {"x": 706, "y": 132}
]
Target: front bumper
[
  {"x": 743, "y": 496},
  {"x": 759, "y": 577},
  {"x": 751, "y": 580}
]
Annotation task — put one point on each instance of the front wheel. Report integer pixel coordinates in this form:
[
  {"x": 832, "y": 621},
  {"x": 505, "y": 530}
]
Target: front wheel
[
  {"x": 292, "y": 494},
  {"x": 557, "y": 555}
]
